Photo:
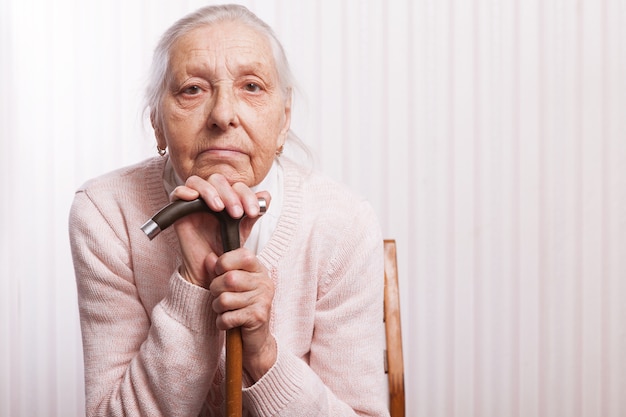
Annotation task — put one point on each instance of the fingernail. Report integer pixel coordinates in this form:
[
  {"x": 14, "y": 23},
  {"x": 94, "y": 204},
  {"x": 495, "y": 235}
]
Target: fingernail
[{"x": 218, "y": 203}]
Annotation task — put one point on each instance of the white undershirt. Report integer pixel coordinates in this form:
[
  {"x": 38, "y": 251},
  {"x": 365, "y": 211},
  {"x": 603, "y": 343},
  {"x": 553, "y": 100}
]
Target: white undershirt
[{"x": 264, "y": 227}]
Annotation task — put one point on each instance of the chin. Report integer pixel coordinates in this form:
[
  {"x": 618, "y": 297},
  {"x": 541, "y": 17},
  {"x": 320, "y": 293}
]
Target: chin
[{"x": 233, "y": 174}]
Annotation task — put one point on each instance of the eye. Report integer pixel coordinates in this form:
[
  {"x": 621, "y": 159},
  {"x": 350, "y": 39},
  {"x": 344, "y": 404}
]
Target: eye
[
  {"x": 252, "y": 87},
  {"x": 192, "y": 90}
]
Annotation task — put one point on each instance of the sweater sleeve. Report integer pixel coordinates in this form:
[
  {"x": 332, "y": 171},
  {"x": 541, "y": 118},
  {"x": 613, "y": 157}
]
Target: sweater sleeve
[
  {"x": 345, "y": 374},
  {"x": 137, "y": 362}
]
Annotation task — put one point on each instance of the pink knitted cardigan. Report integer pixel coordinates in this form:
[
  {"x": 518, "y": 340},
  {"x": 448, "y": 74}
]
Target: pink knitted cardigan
[{"x": 149, "y": 338}]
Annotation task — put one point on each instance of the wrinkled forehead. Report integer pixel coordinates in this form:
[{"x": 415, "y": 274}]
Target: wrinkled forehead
[{"x": 225, "y": 43}]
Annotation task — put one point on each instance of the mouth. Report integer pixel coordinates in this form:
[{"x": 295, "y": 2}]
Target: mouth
[{"x": 222, "y": 152}]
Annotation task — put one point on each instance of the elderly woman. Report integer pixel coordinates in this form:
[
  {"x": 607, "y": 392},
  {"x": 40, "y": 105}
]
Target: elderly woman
[{"x": 306, "y": 289}]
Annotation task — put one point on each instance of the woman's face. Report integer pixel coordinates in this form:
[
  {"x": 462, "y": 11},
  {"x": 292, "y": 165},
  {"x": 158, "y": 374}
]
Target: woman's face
[{"x": 223, "y": 110}]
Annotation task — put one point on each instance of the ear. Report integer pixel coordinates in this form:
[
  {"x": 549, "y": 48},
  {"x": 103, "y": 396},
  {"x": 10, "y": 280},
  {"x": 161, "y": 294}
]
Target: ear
[
  {"x": 158, "y": 132},
  {"x": 286, "y": 122}
]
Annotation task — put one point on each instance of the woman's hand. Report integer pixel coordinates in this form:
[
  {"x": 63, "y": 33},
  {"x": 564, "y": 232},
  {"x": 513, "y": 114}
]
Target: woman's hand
[
  {"x": 243, "y": 292},
  {"x": 241, "y": 285},
  {"x": 199, "y": 233}
]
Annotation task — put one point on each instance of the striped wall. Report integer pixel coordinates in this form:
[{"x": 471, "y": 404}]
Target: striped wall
[{"x": 490, "y": 136}]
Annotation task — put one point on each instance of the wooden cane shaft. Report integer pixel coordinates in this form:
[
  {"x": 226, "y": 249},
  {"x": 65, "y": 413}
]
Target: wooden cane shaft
[
  {"x": 234, "y": 371},
  {"x": 234, "y": 343}
]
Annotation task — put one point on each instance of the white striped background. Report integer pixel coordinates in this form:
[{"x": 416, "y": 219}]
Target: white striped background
[{"x": 490, "y": 135}]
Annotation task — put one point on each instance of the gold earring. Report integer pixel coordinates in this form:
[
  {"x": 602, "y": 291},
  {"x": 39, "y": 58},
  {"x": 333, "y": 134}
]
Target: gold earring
[
  {"x": 161, "y": 151},
  {"x": 279, "y": 151}
]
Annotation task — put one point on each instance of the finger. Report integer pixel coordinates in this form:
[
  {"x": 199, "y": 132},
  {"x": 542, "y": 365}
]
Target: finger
[
  {"x": 233, "y": 282},
  {"x": 241, "y": 259},
  {"x": 207, "y": 191},
  {"x": 254, "y": 214},
  {"x": 229, "y": 320},
  {"x": 249, "y": 199},
  {"x": 235, "y": 310},
  {"x": 230, "y": 301},
  {"x": 183, "y": 192},
  {"x": 209, "y": 266},
  {"x": 230, "y": 198}
]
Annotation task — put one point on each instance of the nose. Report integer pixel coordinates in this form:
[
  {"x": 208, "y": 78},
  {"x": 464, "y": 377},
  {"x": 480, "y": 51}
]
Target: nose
[{"x": 222, "y": 113}]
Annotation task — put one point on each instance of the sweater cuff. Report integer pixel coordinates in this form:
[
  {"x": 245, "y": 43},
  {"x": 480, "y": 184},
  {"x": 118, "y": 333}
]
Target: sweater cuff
[
  {"x": 189, "y": 304},
  {"x": 280, "y": 386}
]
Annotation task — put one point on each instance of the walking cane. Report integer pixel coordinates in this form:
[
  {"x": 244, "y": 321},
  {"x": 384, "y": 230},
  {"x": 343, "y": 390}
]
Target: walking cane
[{"x": 229, "y": 230}]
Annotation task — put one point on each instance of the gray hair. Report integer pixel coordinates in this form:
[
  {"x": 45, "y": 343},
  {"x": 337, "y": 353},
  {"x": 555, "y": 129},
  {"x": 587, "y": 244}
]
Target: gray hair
[{"x": 207, "y": 16}]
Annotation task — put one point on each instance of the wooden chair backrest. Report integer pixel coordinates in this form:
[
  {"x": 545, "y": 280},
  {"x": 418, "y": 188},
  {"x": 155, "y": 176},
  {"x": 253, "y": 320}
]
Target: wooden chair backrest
[{"x": 393, "y": 355}]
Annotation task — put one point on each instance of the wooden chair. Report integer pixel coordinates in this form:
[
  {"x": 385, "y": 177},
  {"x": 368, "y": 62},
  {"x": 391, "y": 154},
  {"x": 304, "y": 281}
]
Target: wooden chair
[{"x": 394, "y": 363}]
